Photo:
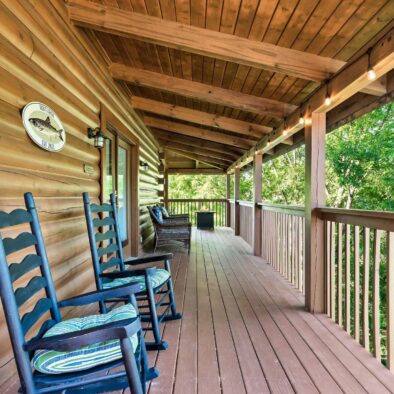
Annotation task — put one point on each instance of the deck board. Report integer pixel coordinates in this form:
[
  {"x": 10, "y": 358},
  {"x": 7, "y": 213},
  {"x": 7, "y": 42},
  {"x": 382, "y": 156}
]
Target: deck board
[{"x": 245, "y": 330}]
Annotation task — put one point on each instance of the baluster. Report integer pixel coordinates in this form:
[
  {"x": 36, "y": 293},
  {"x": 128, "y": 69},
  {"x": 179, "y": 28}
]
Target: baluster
[
  {"x": 347, "y": 278},
  {"x": 339, "y": 278},
  {"x": 301, "y": 254},
  {"x": 390, "y": 300},
  {"x": 332, "y": 271},
  {"x": 366, "y": 290},
  {"x": 376, "y": 296},
  {"x": 357, "y": 283},
  {"x": 328, "y": 271}
]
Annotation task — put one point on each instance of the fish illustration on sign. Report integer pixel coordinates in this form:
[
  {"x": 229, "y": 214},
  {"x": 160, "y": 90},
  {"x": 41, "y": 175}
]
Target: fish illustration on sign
[{"x": 46, "y": 127}]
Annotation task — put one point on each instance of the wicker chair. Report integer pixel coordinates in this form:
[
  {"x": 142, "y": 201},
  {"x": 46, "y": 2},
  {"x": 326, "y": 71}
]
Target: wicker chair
[{"x": 172, "y": 229}]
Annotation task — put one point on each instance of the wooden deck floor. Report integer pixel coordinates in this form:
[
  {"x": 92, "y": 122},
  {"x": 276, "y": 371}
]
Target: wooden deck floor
[{"x": 245, "y": 330}]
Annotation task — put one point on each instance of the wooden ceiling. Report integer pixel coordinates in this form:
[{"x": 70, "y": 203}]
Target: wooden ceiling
[{"x": 210, "y": 91}]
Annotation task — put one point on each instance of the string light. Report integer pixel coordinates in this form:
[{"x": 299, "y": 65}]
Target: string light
[
  {"x": 302, "y": 119},
  {"x": 371, "y": 75},
  {"x": 327, "y": 100}
]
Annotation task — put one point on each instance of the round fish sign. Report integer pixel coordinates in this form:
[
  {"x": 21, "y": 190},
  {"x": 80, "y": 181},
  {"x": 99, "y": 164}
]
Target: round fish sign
[{"x": 44, "y": 126}]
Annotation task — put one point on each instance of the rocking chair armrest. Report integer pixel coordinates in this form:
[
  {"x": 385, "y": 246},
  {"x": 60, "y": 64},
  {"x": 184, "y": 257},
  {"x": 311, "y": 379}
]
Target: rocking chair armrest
[
  {"x": 149, "y": 259},
  {"x": 77, "y": 339},
  {"x": 101, "y": 295},
  {"x": 128, "y": 273}
]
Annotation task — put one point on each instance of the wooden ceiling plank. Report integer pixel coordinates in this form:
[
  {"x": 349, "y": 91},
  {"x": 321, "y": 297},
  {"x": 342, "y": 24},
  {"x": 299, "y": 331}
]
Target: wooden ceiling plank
[
  {"x": 201, "y": 91},
  {"x": 204, "y": 159},
  {"x": 342, "y": 86},
  {"x": 199, "y": 117},
  {"x": 198, "y": 149},
  {"x": 197, "y": 132},
  {"x": 194, "y": 171},
  {"x": 204, "y": 42},
  {"x": 198, "y": 143},
  {"x": 185, "y": 148}
]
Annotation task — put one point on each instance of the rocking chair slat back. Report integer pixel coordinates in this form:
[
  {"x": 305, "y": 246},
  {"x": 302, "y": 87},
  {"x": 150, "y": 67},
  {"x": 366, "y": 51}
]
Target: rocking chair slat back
[
  {"x": 29, "y": 263},
  {"x": 11, "y": 271},
  {"x": 105, "y": 244},
  {"x": 22, "y": 241},
  {"x": 22, "y": 294}
]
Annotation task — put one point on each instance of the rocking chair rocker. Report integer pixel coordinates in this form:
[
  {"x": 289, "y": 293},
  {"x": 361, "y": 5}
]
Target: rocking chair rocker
[
  {"x": 65, "y": 356},
  {"x": 110, "y": 269}
]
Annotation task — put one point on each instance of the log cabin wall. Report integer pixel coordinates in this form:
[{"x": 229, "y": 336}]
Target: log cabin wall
[{"x": 44, "y": 58}]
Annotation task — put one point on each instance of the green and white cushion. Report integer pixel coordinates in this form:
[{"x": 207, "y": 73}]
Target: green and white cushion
[
  {"x": 157, "y": 278},
  {"x": 54, "y": 362}
]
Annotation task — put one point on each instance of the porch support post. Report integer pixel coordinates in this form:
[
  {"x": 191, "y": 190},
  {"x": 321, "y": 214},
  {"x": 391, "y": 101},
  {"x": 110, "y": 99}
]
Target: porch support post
[
  {"x": 257, "y": 184},
  {"x": 228, "y": 196},
  {"x": 166, "y": 188},
  {"x": 314, "y": 227},
  {"x": 237, "y": 177}
]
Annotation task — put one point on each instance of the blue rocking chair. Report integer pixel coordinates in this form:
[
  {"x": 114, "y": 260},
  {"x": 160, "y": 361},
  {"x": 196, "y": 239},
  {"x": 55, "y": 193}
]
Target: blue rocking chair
[
  {"x": 65, "y": 356},
  {"x": 110, "y": 272}
]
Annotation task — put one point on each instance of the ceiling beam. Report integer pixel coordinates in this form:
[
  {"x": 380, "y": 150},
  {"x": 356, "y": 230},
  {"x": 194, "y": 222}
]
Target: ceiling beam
[
  {"x": 194, "y": 171},
  {"x": 199, "y": 117},
  {"x": 213, "y": 146},
  {"x": 341, "y": 86},
  {"x": 204, "y": 159},
  {"x": 197, "y": 132},
  {"x": 198, "y": 151},
  {"x": 201, "y": 41},
  {"x": 201, "y": 91},
  {"x": 376, "y": 88}
]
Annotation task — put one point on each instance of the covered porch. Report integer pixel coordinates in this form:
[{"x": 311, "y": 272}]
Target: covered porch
[{"x": 245, "y": 329}]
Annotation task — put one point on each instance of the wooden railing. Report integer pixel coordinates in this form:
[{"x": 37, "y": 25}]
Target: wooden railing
[
  {"x": 231, "y": 205},
  {"x": 246, "y": 221},
  {"x": 359, "y": 266},
  {"x": 190, "y": 206},
  {"x": 283, "y": 240}
]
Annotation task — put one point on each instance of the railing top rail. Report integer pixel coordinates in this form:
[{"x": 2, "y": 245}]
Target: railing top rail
[
  {"x": 296, "y": 210},
  {"x": 245, "y": 203},
  {"x": 358, "y": 217},
  {"x": 195, "y": 200}
]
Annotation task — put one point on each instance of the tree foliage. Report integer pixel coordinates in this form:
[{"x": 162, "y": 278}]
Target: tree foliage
[{"x": 359, "y": 170}]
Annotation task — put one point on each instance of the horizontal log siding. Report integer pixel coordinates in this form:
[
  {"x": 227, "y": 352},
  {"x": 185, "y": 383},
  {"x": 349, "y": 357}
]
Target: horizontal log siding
[{"x": 43, "y": 58}]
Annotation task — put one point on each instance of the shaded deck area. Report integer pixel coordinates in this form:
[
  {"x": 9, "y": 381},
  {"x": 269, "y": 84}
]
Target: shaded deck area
[{"x": 245, "y": 330}]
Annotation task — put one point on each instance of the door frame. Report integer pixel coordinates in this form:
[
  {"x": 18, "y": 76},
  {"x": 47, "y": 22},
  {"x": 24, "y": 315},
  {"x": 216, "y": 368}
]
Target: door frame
[{"x": 110, "y": 124}]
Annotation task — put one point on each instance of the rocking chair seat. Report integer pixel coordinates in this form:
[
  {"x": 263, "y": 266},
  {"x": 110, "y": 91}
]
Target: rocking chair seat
[
  {"x": 158, "y": 278},
  {"x": 54, "y": 362}
]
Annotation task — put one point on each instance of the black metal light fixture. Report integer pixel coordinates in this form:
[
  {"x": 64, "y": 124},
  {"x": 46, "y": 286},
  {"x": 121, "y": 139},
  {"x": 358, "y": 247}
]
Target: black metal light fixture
[
  {"x": 144, "y": 165},
  {"x": 98, "y": 136}
]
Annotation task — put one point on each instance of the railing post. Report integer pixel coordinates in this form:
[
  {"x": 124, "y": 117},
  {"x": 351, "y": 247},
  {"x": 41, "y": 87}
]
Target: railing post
[
  {"x": 315, "y": 133},
  {"x": 228, "y": 196},
  {"x": 257, "y": 180},
  {"x": 166, "y": 189},
  {"x": 237, "y": 177}
]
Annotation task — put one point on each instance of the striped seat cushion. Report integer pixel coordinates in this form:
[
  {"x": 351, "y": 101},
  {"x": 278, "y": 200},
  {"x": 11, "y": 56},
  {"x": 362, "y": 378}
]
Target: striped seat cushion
[
  {"x": 54, "y": 362},
  {"x": 158, "y": 278}
]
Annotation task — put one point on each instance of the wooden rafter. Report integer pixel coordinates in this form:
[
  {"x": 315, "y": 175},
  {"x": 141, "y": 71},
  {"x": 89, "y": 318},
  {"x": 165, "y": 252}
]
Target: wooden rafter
[
  {"x": 198, "y": 151},
  {"x": 204, "y": 159},
  {"x": 197, "y": 132},
  {"x": 199, "y": 117},
  {"x": 192, "y": 171},
  {"x": 198, "y": 143},
  {"x": 342, "y": 86},
  {"x": 204, "y": 42},
  {"x": 201, "y": 91}
]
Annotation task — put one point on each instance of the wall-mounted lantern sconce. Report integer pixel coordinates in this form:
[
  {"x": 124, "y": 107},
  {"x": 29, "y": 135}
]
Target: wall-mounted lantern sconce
[
  {"x": 144, "y": 165},
  {"x": 98, "y": 136}
]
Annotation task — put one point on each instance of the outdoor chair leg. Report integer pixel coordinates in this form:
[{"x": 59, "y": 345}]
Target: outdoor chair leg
[
  {"x": 133, "y": 375},
  {"x": 174, "y": 314},
  {"x": 158, "y": 344}
]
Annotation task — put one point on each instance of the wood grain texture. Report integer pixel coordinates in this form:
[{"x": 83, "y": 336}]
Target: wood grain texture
[
  {"x": 45, "y": 59},
  {"x": 201, "y": 91},
  {"x": 202, "y": 41}
]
